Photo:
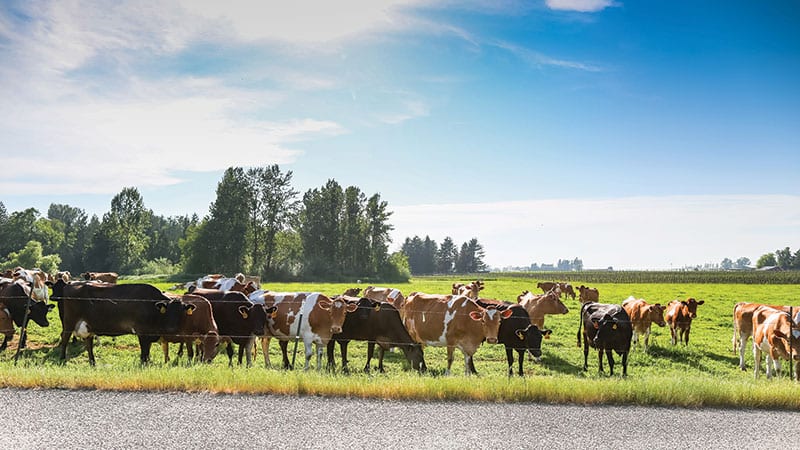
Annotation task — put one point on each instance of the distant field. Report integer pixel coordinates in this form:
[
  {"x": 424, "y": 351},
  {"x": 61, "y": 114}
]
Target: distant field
[{"x": 704, "y": 373}]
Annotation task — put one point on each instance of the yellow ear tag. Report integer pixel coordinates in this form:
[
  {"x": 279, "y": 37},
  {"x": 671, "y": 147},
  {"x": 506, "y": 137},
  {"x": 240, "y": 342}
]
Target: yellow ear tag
[
  {"x": 163, "y": 309},
  {"x": 520, "y": 335},
  {"x": 244, "y": 315},
  {"x": 377, "y": 307},
  {"x": 274, "y": 314},
  {"x": 614, "y": 327},
  {"x": 189, "y": 311}
]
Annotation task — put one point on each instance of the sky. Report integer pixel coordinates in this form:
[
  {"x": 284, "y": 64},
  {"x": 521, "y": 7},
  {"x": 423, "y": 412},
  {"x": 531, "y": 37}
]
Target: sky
[{"x": 638, "y": 135}]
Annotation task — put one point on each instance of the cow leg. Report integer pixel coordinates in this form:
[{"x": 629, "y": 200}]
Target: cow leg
[
  {"x": 635, "y": 339},
  {"x": 145, "y": 343},
  {"x": 65, "y": 335},
  {"x": 370, "y": 354},
  {"x": 756, "y": 359},
  {"x": 248, "y": 350},
  {"x": 769, "y": 364},
  {"x": 742, "y": 345},
  {"x": 319, "y": 348},
  {"x": 450, "y": 350},
  {"x": 585, "y": 354},
  {"x": 510, "y": 360},
  {"x": 467, "y": 364},
  {"x": 284, "y": 352},
  {"x": 309, "y": 353},
  {"x": 165, "y": 349},
  {"x": 646, "y": 338},
  {"x": 625, "y": 364},
  {"x": 331, "y": 361},
  {"x": 190, "y": 351},
  {"x": 672, "y": 334},
  {"x": 4, "y": 344},
  {"x": 778, "y": 366},
  {"x": 180, "y": 349},
  {"x": 472, "y": 364},
  {"x": 265, "y": 349},
  {"x": 521, "y": 358},
  {"x": 89, "y": 343},
  {"x": 610, "y": 361},
  {"x": 381, "y": 353},
  {"x": 229, "y": 352},
  {"x": 686, "y": 336},
  {"x": 343, "y": 350},
  {"x": 600, "y": 358}
]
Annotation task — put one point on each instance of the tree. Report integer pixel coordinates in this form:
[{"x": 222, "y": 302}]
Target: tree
[
  {"x": 447, "y": 256},
  {"x": 354, "y": 238},
  {"x": 122, "y": 232},
  {"x": 470, "y": 259},
  {"x": 742, "y": 263},
  {"x": 75, "y": 243},
  {"x": 726, "y": 264},
  {"x": 784, "y": 258},
  {"x": 766, "y": 260},
  {"x": 31, "y": 256},
  {"x": 421, "y": 254},
  {"x": 378, "y": 228},
  {"x": 223, "y": 238},
  {"x": 319, "y": 229},
  {"x": 19, "y": 228}
]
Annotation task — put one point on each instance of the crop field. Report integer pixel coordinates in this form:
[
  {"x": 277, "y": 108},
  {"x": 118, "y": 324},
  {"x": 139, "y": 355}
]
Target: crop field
[{"x": 704, "y": 373}]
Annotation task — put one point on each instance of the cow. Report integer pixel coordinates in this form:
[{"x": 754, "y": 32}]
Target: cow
[
  {"x": 377, "y": 323},
  {"x": 743, "y": 326},
  {"x": 471, "y": 290},
  {"x": 352, "y": 292},
  {"x": 105, "y": 277},
  {"x": 64, "y": 275},
  {"x": 546, "y": 286},
  {"x": 312, "y": 317},
  {"x": 6, "y": 326},
  {"x": 87, "y": 310},
  {"x": 775, "y": 334},
  {"x": 679, "y": 317},
  {"x": 605, "y": 328},
  {"x": 538, "y": 306},
  {"x": 587, "y": 294},
  {"x": 383, "y": 294},
  {"x": 37, "y": 281},
  {"x": 566, "y": 289},
  {"x": 17, "y": 296},
  {"x": 451, "y": 321},
  {"x": 516, "y": 332},
  {"x": 239, "y": 320},
  {"x": 643, "y": 315},
  {"x": 196, "y": 325}
]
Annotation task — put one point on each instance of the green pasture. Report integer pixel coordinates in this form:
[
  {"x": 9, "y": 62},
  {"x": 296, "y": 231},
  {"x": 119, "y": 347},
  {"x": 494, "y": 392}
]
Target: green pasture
[{"x": 705, "y": 373}]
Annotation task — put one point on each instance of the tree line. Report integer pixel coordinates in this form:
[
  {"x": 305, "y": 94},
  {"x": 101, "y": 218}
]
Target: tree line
[
  {"x": 425, "y": 256},
  {"x": 783, "y": 258},
  {"x": 258, "y": 224}
]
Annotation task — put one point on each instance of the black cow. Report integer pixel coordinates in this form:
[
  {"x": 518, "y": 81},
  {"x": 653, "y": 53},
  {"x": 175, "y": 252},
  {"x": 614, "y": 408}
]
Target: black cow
[
  {"x": 16, "y": 296},
  {"x": 89, "y": 310},
  {"x": 377, "y": 323},
  {"x": 517, "y": 333},
  {"x": 606, "y": 328},
  {"x": 238, "y": 320}
]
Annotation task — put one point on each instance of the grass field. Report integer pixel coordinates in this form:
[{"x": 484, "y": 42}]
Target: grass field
[{"x": 705, "y": 373}]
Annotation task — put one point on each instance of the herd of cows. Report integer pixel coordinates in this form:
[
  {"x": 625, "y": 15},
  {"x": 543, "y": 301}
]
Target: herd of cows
[{"x": 217, "y": 312}]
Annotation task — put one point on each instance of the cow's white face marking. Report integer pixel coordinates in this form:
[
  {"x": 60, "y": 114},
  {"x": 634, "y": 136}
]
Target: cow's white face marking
[
  {"x": 490, "y": 313},
  {"x": 451, "y": 301},
  {"x": 463, "y": 305},
  {"x": 82, "y": 329},
  {"x": 337, "y": 305},
  {"x": 796, "y": 334}
]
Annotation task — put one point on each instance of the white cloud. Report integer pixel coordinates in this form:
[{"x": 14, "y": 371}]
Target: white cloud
[
  {"x": 537, "y": 59},
  {"x": 580, "y": 5},
  {"x": 635, "y": 232}
]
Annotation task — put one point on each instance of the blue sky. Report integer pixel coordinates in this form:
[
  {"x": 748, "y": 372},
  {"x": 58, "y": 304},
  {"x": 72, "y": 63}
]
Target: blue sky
[{"x": 635, "y": 134}]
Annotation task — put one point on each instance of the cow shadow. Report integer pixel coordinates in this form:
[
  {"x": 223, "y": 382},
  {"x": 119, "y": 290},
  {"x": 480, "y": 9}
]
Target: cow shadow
[{"x": 554, "y": 362}]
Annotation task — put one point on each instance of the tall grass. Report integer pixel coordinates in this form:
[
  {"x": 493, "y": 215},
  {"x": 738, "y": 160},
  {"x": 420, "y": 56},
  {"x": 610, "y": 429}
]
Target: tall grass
[{"x": 704, "y": 373}]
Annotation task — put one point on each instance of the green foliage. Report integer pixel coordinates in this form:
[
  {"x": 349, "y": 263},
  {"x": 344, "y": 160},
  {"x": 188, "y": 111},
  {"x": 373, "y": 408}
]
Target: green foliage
[
  {"x": 121, "y": 242},
  {"x": 223, "y": 238},
  {"x": 319, "y": 229},
  {"x": 158, "y": 266},
  {"x": 766, "y": 260},
  {"x": 30, "y": 257},
  {"x": 396, "y": 269}
]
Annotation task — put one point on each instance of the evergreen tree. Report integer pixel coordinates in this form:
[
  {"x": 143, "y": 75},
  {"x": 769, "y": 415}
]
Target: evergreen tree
[
  {"x": 223, "y": 238},
  {"x": 354, "y": 243},
  {"x": 319, "y": 229},
  {"x": 378, "y": 228}
]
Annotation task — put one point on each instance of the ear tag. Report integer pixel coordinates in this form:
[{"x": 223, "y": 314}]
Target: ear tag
[
  {"x": 163, "y": 309},
  {"x": 547, "y": 336},
  {"x": 521, "y": 335},
  {"x": 244, "y": 315},
  {"x": 614, "y": 327},
  {"x": 189, "y": 311},
  {"x": 377, "y": 307},
  {"x": 274, "y": 314}
]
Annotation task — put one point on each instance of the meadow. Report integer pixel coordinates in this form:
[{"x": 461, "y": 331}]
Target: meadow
[{"x": 704, "y": 373}]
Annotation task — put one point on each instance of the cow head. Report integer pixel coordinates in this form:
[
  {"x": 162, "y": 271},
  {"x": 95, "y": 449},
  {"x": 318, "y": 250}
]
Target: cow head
[
  {"x": 605, "y": 330},
  {"x": 170, "y": 313},
  {"x": 532, "y": 339},
  {"x": 656, "y": 314},
  {"x": 692, "y": 304},
  {"x": 352, "y": 292},
  {"x": 337, "y": 309},
  {"x": 551, "y": 303},
  {"x": 255, "y": 315},
  {"x": 457, "y": 288},
  {"x": 490, "y": 320}
]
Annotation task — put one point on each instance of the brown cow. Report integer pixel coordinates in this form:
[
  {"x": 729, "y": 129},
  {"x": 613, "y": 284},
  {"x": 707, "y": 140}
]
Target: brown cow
[
  {"x": 775, "y": 334},
  {"x": 566, "y": 289},
  {"x": 538, "y": 306},
  {"x": 105, "y": 277},
  {"x": 313, "y": 317},
  {"x": 197, "y": 325},
  {"x": 452, "y": 321},
  {"x": 471, "y": 290},
  {"x": 588, "y": 294},
  {"x": 546, "y": 286},
  {"x": 352, "y": 292},
  {"x": 642, "y": 315},
  {"x": 679, "y": 317},
  {"x": 743, "y": 326}
]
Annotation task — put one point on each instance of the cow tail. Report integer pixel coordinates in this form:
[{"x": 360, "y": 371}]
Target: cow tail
[{"x": 580, "y": 323}]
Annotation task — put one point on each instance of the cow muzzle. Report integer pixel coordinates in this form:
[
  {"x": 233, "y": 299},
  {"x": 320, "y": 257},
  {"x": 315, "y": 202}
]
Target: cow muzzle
[
  {"x": 336, "y": 330},
  {"x": 492, "y": 340}
]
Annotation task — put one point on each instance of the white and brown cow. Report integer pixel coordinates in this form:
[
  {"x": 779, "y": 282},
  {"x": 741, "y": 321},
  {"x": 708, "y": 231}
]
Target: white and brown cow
[
  {"x": 452, "y": 321},
  {"x": 37, "y": 280},
  {"x": 384, "y": 294},
  {"x": 643, "y": 315},
  {"x": 313, "y": 317},
  {"x": 538, "y": 306},
  {"x": 471, "y": 290},
  {"x": 679, "y": 317},
  {"x": 743, "y": 326},
  {"x": 775, "y": 335}
]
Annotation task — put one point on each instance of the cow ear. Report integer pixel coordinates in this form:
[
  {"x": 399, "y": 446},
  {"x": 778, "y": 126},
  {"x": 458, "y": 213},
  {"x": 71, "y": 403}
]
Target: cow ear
[
  {"x": 323, "y": 304},
  {"x": 377, "y": 307},
  {"x": 189, "y": 309},
  {"x": 657, "y": 305},
  {"x": 243, "y": 310},
  {"x": 685, "y": 303},
  {"x": 353, "y": 306},
  {"x": 547, "y": 333},
  {"x": 506, "y": 314},
  {"x": 520, "y": 334},
  {"x": 701, "y": 302},
  {"x": 272, "y": 311},
  {"x": 50, "y": 307},
  {"x": 162, "y": 307},
  {"x": 476, "y": 315}
]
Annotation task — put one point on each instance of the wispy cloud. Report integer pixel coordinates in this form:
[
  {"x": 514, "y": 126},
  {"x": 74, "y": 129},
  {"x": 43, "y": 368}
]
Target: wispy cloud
[
  {"x": 634, "y": 232},
  {"x": 580, "y": 5},
  {"x": 538, "y": 59}
]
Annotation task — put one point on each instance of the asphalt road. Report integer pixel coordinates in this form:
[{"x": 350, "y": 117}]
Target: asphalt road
[{"x": 93, "y": 419}]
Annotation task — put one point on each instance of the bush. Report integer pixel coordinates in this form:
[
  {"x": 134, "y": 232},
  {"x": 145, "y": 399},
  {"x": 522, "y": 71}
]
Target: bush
[{"x": 158, "y": 266}]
